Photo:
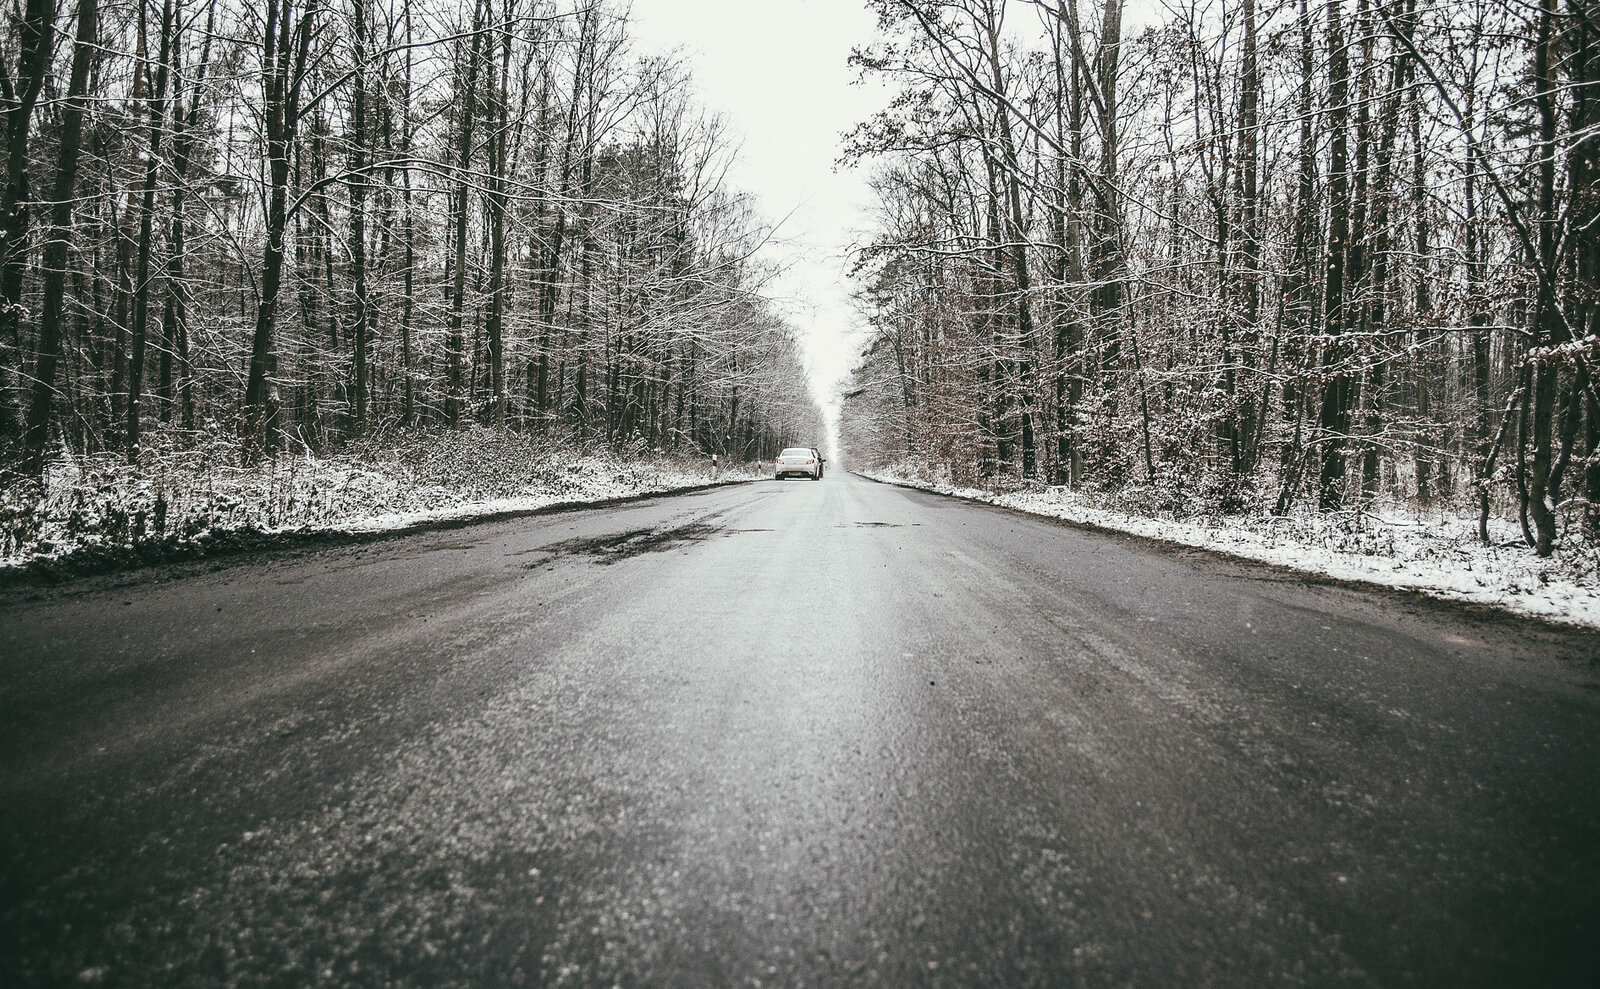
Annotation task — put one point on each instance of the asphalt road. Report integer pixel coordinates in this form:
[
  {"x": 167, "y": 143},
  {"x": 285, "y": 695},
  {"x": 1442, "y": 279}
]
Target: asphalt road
[{"x": 787, "y": 734}]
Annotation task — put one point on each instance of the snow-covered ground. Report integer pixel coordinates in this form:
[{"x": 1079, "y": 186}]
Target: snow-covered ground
[
  {"x": 189, "y": 500},
  {"x": 1439, "y": 555}
]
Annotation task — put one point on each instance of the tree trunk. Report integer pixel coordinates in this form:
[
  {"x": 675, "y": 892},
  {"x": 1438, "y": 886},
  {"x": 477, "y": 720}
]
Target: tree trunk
[
  {"x": 1381, "y": 193},
  {"x": 141, "y": 287},
  {"x": 1016, "y": 233},
  {"x": 466, "y": 107},
  {"x": 1069, "y": 336},
  {"x": 360, "y": 319},
  {"x": 55, "y": 252},
  {"x": 1338, "y": 392},
  {"x": 408, "y": 410},
  {"x": 1430, "y": 443},
  {"x": 1107, "y": 250},
  {"x": 1583, "y": 164},
  {"x": 498, "y": 148},
  {"x": 550, "y": 290},
  {"x": 35, "y": 41},
  {"x": 1249, "y": 273},
  {"x": 1549, "y": 328},
  {"x": 1298, "y": 291},
  {"x": 282, "y": 71}
]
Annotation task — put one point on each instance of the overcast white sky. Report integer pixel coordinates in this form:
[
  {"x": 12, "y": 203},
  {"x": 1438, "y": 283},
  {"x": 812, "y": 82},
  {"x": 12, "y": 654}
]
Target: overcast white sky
[{"x": 777, "y": 69}]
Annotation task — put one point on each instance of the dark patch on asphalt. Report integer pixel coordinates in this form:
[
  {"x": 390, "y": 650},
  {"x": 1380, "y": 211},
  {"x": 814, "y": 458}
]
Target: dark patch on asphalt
[
  {"x": 873, "y": 525},
  {"x": 618, "y": 546}
]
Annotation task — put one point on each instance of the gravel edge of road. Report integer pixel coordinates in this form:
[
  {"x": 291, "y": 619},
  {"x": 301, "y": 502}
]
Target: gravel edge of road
[
  {"x": 57, "y": 573},
  {"x": 1475, "y": 610}
]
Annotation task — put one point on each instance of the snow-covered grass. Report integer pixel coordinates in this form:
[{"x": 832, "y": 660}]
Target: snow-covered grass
[
  {"x": 184, "y": 500},
  {"x": 1438, "y": 554}
]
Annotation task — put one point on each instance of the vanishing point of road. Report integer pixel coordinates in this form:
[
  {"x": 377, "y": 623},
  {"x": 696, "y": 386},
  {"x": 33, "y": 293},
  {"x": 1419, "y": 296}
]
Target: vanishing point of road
[{"x": 785, "y": 734}]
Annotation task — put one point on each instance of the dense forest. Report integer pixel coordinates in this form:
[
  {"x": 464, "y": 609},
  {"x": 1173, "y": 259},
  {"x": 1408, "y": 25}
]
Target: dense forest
[
  {"x": 300, "y": 223},
  {"x": 1256, "y": 256}
]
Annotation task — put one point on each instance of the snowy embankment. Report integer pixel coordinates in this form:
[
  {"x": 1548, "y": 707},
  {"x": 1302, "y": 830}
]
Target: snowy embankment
[
  {"x": 1439, "y": 555},
  {"x": 102, "y": 511}
]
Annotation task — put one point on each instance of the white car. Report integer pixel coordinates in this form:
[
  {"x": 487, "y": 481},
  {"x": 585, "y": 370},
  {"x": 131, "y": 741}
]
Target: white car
[{"x": 801, "y": 460}]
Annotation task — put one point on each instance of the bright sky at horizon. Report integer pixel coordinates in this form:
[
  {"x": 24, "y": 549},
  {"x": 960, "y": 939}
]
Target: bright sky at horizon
[{"x": 779, "y": 72}]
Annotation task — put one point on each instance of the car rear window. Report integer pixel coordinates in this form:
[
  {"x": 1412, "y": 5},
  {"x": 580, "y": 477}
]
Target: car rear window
[{"x": 796, "y": 452}]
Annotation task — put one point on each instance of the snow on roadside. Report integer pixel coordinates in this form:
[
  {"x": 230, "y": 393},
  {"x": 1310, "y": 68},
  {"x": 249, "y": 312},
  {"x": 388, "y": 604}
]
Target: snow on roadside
[
  {"x": 591, "y": 480},
  {"x": 1437, "y": 556},
  {"x": 190, "y": 499}
]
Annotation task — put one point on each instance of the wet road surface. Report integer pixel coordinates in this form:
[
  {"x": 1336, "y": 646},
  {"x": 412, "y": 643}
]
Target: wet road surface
[{"x": 787, "y": 734}]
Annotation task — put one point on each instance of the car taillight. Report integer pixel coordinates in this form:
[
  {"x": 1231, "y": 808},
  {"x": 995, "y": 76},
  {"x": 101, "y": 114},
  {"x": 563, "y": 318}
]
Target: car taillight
[{"x": 809, "y": 461}]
